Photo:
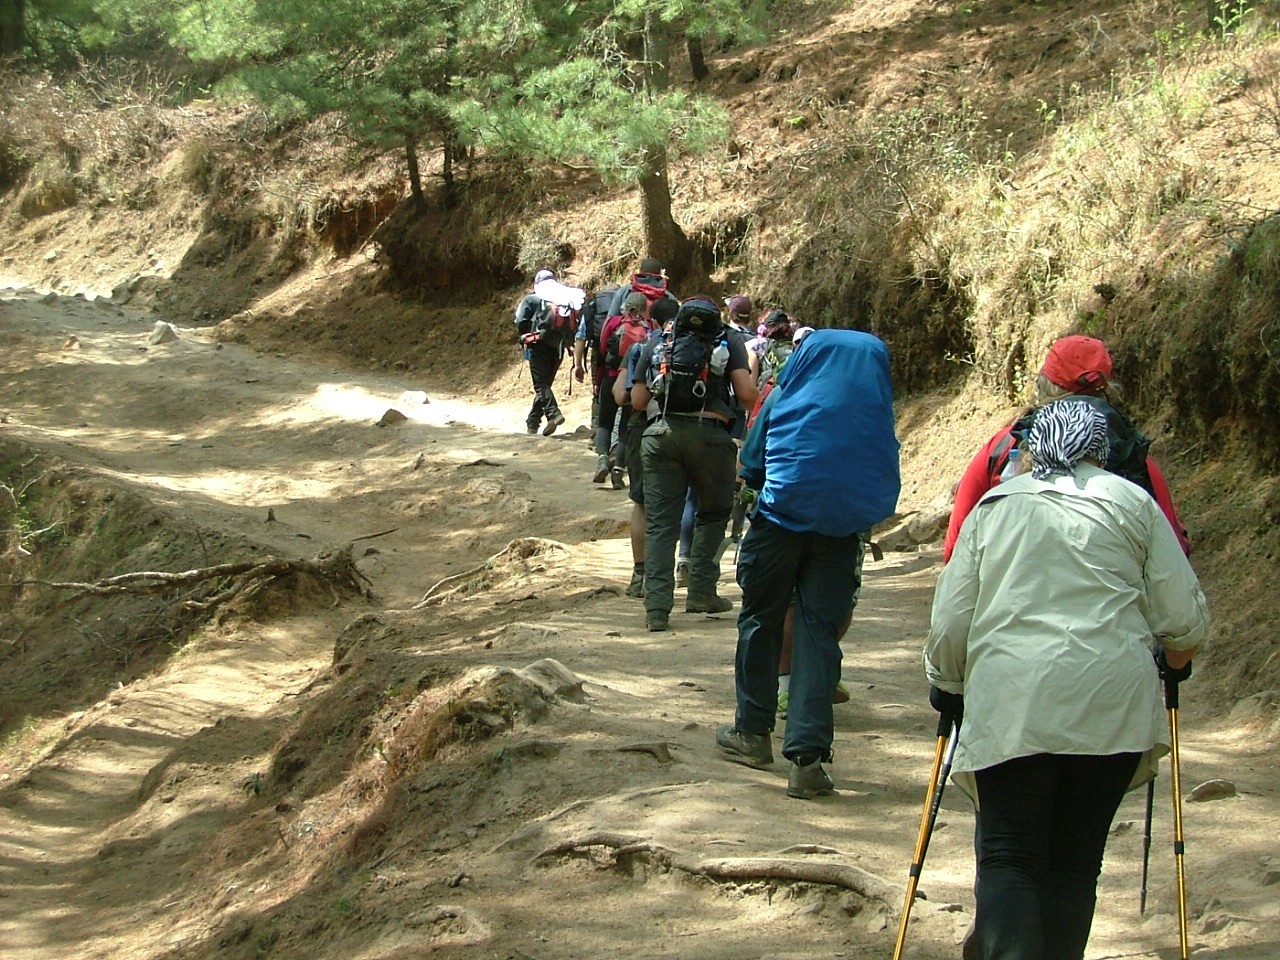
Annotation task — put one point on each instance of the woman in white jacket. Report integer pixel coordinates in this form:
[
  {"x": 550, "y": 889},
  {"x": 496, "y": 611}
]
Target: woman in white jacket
[{"x": 1063, "y": 583}]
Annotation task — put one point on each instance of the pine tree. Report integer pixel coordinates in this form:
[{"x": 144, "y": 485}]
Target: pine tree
[
  {"x": 595, "y": 88},
  {"x": 390, "y": 67}
]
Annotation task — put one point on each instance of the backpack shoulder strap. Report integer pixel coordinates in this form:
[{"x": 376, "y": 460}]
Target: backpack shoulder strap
[{"x": 999, "y": 455}]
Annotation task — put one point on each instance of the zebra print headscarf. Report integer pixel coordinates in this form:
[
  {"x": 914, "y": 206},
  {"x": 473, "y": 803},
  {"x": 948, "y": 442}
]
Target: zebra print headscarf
[{"x": 1064, "y": 433}]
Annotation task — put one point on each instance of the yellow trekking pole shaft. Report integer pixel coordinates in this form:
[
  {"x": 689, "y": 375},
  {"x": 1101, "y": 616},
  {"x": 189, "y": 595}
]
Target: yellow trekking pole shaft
[
  {"x": 932, "y": 799},
  {"x": 1179, "y": 849}
]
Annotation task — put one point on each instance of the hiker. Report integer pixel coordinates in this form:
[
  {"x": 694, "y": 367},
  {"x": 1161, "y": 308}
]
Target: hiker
[
  {"x": 618, "y": 335},
  {"x": 769, "y": 350},
  {"x": 740, "y": 309},
  {"x": 661, "y": 312},
  {"x": 545, "y": 320},
  {"x": 586, "y": 344},
  {"x": 766, "y": 379},
  {"x": 1063, "y": 581},
  {"x": 688, "y": 369},
  {"x": 824, "y": 455},
  {"x": 1075, "y": 366},
  {"x": 650, "y": 278}
]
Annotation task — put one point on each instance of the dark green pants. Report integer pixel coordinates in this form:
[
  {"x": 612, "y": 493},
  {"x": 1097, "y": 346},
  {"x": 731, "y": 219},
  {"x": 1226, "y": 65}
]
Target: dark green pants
[{"x": 679, "y": 453}]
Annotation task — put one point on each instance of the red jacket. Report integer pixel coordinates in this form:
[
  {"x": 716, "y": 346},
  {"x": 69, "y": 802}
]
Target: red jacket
[{"x": 979, "y": 477}]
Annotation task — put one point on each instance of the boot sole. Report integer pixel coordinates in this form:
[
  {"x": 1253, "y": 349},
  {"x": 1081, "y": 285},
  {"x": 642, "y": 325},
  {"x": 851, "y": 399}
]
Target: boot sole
[
  {"x": 733, "y": 756},
  {"x": 808, "y": 794}
]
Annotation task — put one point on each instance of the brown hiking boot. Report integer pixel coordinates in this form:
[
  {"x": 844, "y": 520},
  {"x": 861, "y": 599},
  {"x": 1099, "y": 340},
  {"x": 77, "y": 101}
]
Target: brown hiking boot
[
  {"x": 809, "y": 780},
  {"x": 552, "y": 423},
  {"x": 711, "y": 604},
  {"x": 753, "y": 749}
]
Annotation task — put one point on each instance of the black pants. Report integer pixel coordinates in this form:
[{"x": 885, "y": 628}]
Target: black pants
[
  {"x": 611, "y": 416},
  {"x": 544, "y": 364},
  {"x": 1042, "y": 829}
]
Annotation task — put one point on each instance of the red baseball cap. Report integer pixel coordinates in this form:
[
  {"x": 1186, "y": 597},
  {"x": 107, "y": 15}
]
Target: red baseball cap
[{"x": 1078, "y": 363}]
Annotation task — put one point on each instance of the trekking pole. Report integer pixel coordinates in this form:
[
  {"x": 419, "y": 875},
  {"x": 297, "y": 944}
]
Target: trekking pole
[
  {"x": 1171, "y": 702},
  {"x": 1146, "y": 845},
  {"x": 944, "y": 751}
]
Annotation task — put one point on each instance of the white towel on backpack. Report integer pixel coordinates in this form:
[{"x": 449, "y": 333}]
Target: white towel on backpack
[{"x": 553, "y": 291}]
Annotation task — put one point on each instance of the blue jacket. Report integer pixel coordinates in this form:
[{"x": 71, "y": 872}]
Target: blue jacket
[{"x": 823, "y": 452}]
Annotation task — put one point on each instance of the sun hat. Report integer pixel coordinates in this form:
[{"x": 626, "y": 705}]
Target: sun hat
[
  {"x": 1078, "y": 363},
  {"x": 544, "y": 274},
  {"x": 740, "y": 305}
]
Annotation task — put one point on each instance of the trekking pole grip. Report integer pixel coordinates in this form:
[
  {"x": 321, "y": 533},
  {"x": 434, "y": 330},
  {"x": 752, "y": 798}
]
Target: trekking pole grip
[
  {"x": 1170, "y": 694},
  {"x": 945, "y": 722}
]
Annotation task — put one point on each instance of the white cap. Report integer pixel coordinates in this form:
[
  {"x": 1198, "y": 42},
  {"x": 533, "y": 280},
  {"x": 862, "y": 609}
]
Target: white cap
[
  {"x": 543, "y": 274},
  {"x": 800, "y": 334}
]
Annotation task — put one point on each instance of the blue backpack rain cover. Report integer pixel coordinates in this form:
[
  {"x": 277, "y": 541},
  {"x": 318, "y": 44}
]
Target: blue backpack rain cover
[{"x": 830, "y": 453}]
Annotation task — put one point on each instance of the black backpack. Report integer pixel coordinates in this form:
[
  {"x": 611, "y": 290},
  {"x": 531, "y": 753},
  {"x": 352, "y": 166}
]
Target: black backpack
[
  {"x": 595, "y": 312},
  {"x": 681, "y": 377},
  {"x": 533, "y": 315},
  {"x": 1127, "y": 445},
  {"x": 555, "y": 325}
]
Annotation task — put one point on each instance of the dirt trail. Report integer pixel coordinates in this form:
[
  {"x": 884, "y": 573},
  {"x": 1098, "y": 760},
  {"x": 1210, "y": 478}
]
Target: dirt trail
[{"x": 140, "y": 837}]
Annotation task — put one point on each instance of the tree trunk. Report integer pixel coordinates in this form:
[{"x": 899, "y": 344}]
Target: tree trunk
[
  {"x": 452, "y": 147},
  {"x": 697, "y": 59},
  {"x": 415, "y": 174},
  {"x": 12, "y": 27},
  {"x": 453, "y": 150},
  {"x": 663, "y": 236}
]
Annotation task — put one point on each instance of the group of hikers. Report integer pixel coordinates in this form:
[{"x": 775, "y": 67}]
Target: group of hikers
[{"x": 1065, "y": 604}]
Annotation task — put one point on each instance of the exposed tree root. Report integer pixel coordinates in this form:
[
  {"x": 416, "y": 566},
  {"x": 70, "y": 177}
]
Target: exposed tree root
[
  {"x": 842, "y": 875},
  {"x": 242, "y": 579},
  {"x": 479, "y": 576}
]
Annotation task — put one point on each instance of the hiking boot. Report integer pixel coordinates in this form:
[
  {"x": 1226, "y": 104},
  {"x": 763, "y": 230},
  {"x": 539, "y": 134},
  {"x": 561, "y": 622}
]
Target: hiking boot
[
  {"x": 842, "y": 693},
  {"x": 616, "y": 477},
  {"x": 531, "y": 429},
  {"x": 711, "y": 604},
  {"x": 682, "y": 572},
  {"x": 552, "y": 423},
  {"x": 809, "y": 780},
  {"x": 657, "y": 622},
  {"x": 753, "y": 749},
  {"x": 602, "y": 468},
  {"x": 636, "y": 587}
]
